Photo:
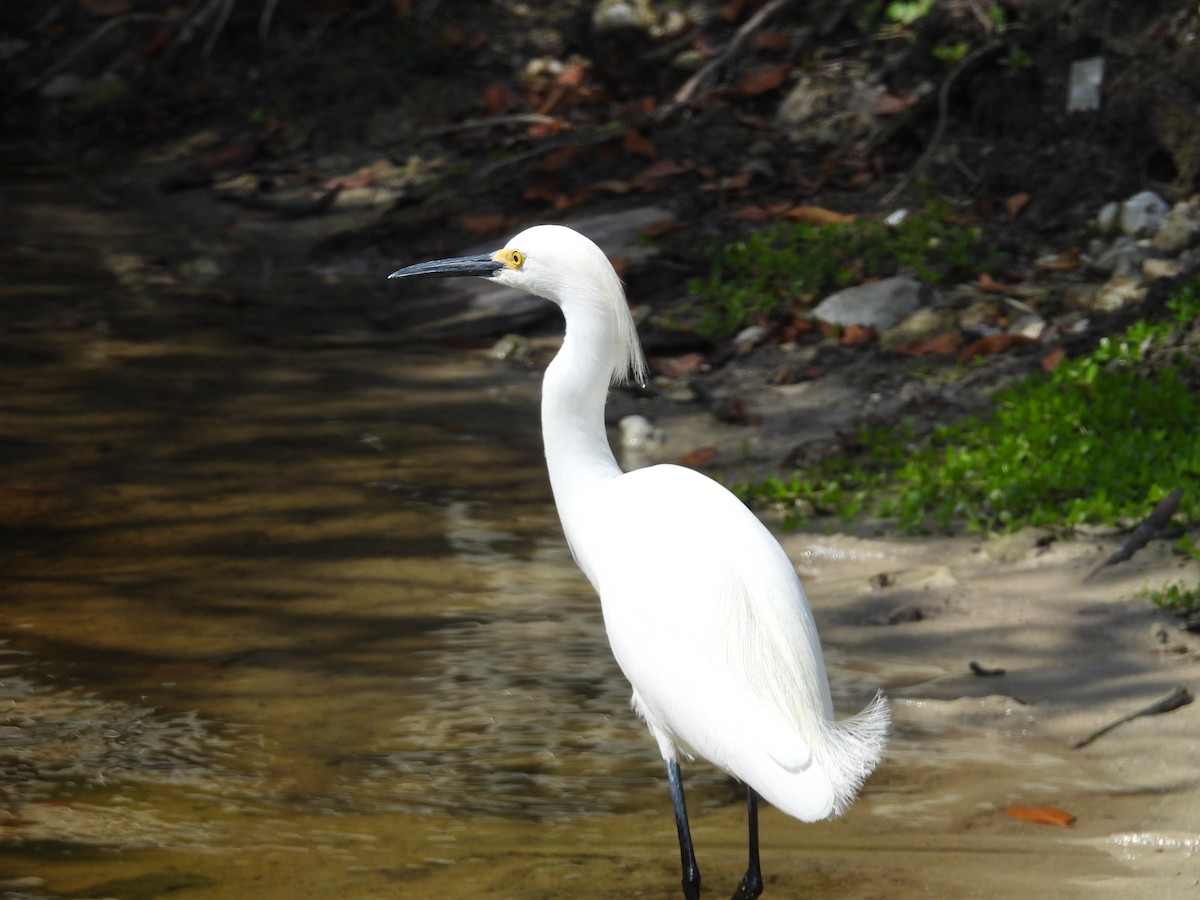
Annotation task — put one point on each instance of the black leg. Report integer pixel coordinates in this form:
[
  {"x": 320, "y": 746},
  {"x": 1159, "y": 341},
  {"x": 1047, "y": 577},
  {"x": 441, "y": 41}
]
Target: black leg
[
  {"x": 752, "y": 883},
  {"x": 687, "y": 856}
]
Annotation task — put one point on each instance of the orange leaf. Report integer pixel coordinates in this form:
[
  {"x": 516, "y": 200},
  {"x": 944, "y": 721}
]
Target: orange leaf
[
  {"x": 764, "y": 81},
  {"x": 637, "y": 145},
  {"x": 1016, "y": 203},
  {"x": 487, "y": 223},
  {"x": 1053, "y": 359},
  {"x": 818, "y": 215},
  {"x": 1043, "y": 815},
  {"x": 945, "y": 343},
  {"x": 698, "y": 457},
  {"x": 890, "y": 105},
  {"x": 993, "y": 344},
  {"x": 664, "y": 168},
  {"x": 988, "y": 285},
  {"x": 753, "y": 213},
  {"x": 857, "y": 335}
]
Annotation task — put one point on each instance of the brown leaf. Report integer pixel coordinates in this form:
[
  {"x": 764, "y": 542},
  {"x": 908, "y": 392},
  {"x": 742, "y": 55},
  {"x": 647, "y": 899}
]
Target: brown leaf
[
  {"x": 818, "y": 215},
  {"x": 1043, "y": 815},
  {"x": 545, "y": 191},
  {"x": 1064, "y": 262},
  {"x": 857, "y": 335},
  {"x": 772, "y": 41},
  {"x": 558, "y": 159},
  {"x": 740, "y": 414},
  {"x": 697, "y": 458},
  {"x": 993, "y": 344},
  {"x": 886, "y": 104},
  {"x": 612, "y": 186},
  {"x": 637, "y": 145},
  {"x": 988, "y": 285},
  {"x": 1017, "y": 202},
  {"x": 485, "y": 223},
  {"x": 753, "y": 213},
  {"x": 1053, "y": 359},
  {"x": 738, "y": 182},
  {"x": 157, "y": 43},
  {"x": 499, "y": 98},
  {"x": 763, "y": 81},
  {"x": 574, "y": 75},
  {"x": 945, "y": 343}
]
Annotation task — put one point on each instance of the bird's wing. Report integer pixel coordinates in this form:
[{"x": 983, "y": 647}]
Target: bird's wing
[{"x": 706, "y": 616}]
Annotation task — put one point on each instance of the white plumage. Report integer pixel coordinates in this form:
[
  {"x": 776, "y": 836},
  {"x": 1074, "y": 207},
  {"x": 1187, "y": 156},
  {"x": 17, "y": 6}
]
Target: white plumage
[{"x": 704, "y": 611}]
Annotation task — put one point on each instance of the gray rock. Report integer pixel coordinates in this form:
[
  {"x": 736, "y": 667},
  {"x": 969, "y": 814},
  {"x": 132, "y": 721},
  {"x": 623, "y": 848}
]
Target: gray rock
[
  {"x": 880, "y": 304},
  {"x": 1180, "y": 229},
  {"x": 1142, "y": 214}
]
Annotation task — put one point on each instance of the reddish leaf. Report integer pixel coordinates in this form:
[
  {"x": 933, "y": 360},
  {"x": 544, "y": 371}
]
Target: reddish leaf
[
  {"x": 1053, "y": 359},
  {"x": 637, "y": 145},
  {"x": 993, "y": 344},
  {"x": 989, "y": 285},
  {"x": 698, "y": 457},
  {"x": 740, "y": 413},
  {"x": 753, "y": 213},
  {"x": 945, "y": 343},
  {"x": 857, "y": 335},
  {"x": 818, "y": 215},
  {"x": 498, "y": 99},
  {"x": 763, "y": 81},
  {"x": 1043, "y": 815}
]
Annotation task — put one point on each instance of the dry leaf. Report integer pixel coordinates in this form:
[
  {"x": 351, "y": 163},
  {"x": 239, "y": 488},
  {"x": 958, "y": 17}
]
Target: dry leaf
[
  {"x": 857, "y": 335},
  {"x": 1016, "y": 203},
  {"x": 988, "y": 285},
  {"x": 753, "y": 213},
  {"x": 637, "y": 145},
  {"x": 1043, "y": 815},
  {"x": 772, "y": 41},
  {"x": 728, "y": 12},
  {"x": 487, "y": 223},
  {"x": 664, "y": 168},
  {"x": 620, "y": 265},
  {"x": 613, "y": 186},
  {"x": 886, "y": 104},
  {"x": 945, "y": 343},
  {"x": 817, "y": 215},
  {"x": 498, "y": 99},
  {"x": 763, "y": 81},
  {"x": 1053, "y": 359},
  {"x": 993, "y": 344},
  {"x": 574, "y": 75},
  {"x": 545, "y": 191},
  {"x": 157, "y": 43},
  {"x": 1064, "y": 262},
  {"x": 698, "y": 458},
  {"x": 732, "y": 183}
]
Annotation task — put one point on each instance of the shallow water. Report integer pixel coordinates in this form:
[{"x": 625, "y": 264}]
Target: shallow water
[{"x": 284, "y": 622}]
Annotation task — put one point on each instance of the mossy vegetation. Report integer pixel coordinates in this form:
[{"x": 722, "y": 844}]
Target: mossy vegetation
[
  {"x": 1099, "y": 441},
  {"x": 787, "y": 265}
]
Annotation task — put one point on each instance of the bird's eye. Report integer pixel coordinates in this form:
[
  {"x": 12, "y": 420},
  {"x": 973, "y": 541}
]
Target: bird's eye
[{"x": 518, "y": 259}]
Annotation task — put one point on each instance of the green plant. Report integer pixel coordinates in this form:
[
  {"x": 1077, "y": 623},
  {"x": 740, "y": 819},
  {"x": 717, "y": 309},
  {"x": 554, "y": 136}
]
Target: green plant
[
  {"x": 787, "y": 264},
  {"x": 1101, "y": 440},
  {"x": 1176, "y": 598}
]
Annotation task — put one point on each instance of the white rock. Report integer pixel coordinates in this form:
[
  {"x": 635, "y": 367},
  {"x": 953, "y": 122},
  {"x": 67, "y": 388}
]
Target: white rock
[
  {"x": 1087, "y": 77},
  {"x": 1142, "y": 214},
  {"x": 637, "y": 432},
  {"x": 879, "y": 304}
]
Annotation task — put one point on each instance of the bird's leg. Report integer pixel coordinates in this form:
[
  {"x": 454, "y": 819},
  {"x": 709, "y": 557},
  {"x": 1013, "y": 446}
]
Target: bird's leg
[
  {"x": 687, "y": 856},
  {"x": 752, "y": 883}
]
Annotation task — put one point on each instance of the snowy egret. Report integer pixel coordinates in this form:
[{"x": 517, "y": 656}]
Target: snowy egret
[{"x": 704, "y": 611}]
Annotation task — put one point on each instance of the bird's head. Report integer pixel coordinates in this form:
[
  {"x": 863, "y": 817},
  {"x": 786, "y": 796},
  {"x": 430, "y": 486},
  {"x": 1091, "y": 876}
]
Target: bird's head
[{"x": 562, "y": 265}]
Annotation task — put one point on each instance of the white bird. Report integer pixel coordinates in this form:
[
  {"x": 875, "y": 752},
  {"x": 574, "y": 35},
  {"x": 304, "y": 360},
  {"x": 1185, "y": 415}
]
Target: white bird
[{"x": 704, "y": 611}]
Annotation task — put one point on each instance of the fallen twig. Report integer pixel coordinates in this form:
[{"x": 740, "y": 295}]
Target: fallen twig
[
  {"x": 943, "y": 114},
  {"x": 688, "y": 91},
  {"x": 1180, "y": 696},
  {"x": 1146, "y": 529}
]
